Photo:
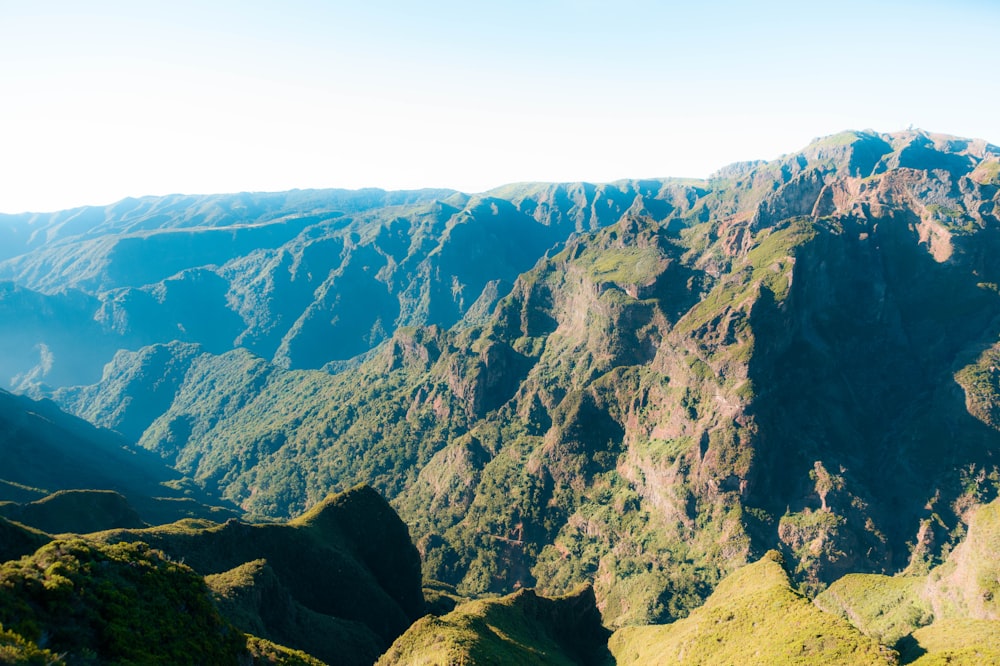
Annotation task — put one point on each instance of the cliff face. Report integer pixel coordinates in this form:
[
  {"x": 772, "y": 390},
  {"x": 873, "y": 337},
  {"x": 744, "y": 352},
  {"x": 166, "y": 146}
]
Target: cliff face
[
  {"x": 796, "y": 373},
  {"x": 300, "y": 278},
  {"x": 643, "y": 385}
]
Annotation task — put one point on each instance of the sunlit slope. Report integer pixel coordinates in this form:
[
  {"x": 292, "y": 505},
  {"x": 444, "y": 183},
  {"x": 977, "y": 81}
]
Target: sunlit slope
[
  {"x": 754, "y": 616},
  {"x": 793, "y": 355}
]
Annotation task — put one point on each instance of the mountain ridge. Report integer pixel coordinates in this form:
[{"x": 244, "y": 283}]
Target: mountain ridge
[{"x": 655, "y": 383}]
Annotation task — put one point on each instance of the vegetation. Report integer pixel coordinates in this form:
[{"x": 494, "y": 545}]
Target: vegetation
[
  {"x": 44, "y": 451},
  {"x": 18, "y": 540},
  {"x": 886, "y": 608},
  {"x": 988, "y": 173},
  {"x": 521, "y": 628},
  {"x": 754, "y": 616},
  {"x": 340, "y": 582},
  {"x": 254, "y": 599},
  {"x": 125, "y": 603},
  {"x": 345, "y": 582},
  {"x": 945, "y": 616},
  {"x": 624, "y": 267},
  {"x": 15, "y": 649},
  {"x": 77, "y": 511},
  {"x": 265, "y": 652},
  {"x": 641, "y": 386},
  {"x": 954, "y": 642}
]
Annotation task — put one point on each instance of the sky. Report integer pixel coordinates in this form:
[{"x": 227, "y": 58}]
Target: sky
[{"x": 101, "y": 100}]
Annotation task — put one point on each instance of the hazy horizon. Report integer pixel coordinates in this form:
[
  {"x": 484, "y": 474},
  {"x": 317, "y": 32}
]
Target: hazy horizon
[{"x": 115, "y": 101}]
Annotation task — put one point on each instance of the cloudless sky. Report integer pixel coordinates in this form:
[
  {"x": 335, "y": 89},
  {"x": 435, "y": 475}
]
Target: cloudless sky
[{"x": 100, "y": 100}]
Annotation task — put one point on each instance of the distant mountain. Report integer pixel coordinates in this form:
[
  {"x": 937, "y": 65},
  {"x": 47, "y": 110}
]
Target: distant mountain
[
  {"x": 644, "y": 385},
  {"x": 61, "y": 474},
  {"x": 300, "y": 278}
]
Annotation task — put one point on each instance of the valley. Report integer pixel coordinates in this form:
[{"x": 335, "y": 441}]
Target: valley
[{"x": 745, "y": 419}]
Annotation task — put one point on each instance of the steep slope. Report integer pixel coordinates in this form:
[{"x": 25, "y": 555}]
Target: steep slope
[
  {"x": 954, "y": 642},
  {"x": 303, "y": 279},
  {"x": 137, "y": 387},
  {"x": 957, "y": 598},
  {"x": 522, "y": 628},
  {"x": 967, "y": 584},
  {"x": 340, "y": 582},
  {"x": 44, "y": 450},
  {"x": 114, "y": 604},
  {"x": 79, "y": 511},
  {"x": 36, "y": 328},
  {"x": 753, "y": 617},
  {"x": 18, "y": 540},
  {"x": 796, "y": 355},
  {"x": 76, "y": 603},
  {"x": 253, "y": 598}
]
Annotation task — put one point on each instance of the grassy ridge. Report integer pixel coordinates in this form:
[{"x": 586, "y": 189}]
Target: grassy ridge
[
  {"x": 883, "y": 607},
  {"x": 338, "y": 584},
  {"x": 753, "y": 617},
  {"x": 945, "y": 616},
  {"x": 954, "y": 642},
  {"x": 17, "y": 540},
  {"x": 115, "y": 603},
  {"x": 521, "y": 628},
  {"x": 346, "y": 573}
]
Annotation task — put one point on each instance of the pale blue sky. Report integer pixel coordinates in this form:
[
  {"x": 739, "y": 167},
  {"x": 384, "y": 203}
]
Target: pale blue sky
[{"x": 102, "y": 100}]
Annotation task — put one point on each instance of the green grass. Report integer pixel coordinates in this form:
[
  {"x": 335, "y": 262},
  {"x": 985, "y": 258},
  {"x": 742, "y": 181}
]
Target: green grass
[
  {"x": 883, "y": 607},
  {"x": 345, "y": 573},
  {"x": 968, "y": 583},
  {"x": 124, "y": 603},
  {"x": 771, "y": 258},
  {"x": 521, "y": 628},
  {"x": 769, "y": 264},
  {"x": 987, "y": 173},
  {"x": 955, "y": 643},
  {"x": 753, "y": 617},
  {"x": 943, "y": 617},
  {"x": 837, "y": 140},
  {"x": 340, "y": 583},
  {"x": 263, "y": 651},
  {"x": 623, "y": 266}
]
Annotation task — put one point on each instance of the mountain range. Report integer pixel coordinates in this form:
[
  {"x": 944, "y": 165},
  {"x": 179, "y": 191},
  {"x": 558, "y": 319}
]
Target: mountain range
[{"x": 653, "y": 403}]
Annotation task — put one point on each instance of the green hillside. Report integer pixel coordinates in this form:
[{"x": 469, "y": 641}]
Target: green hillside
[
  {"x": 45, "y": 452},
  {"x": 521, "y": 628},
  {"x": 114, "y": 604},
  {"x": 955, "y": 642},
  {"x": 338, "y": 585},
  {"x": 18, "y": 540},
  {"x": 642, "y": 385},
  {"x": 754, "y": 616},
  {"x": 345, "y": 574},
  {"x": 948, "y": 615},
  {"x": 78, "y": 511}
]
